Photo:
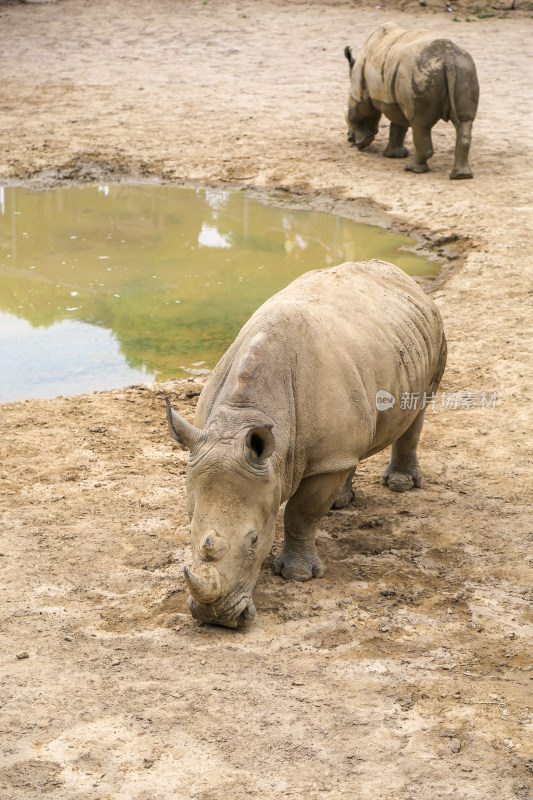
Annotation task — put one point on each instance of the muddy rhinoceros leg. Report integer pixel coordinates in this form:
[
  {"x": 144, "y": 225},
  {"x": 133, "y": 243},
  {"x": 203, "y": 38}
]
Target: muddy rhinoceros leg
[
  {"x": 298, "y": 558},
  {"x": 395, "y": 147},
  {"x": 423, "y": 149},
  {"x": 403, "y": 471},
  {"x": 461, "y": 169},
  {"x": 346, "y": 494}
]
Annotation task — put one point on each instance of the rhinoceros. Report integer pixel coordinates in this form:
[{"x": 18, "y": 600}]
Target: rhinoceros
[
  {"x": 316, "y": 381},
  {"x": 415, "y": 80}
]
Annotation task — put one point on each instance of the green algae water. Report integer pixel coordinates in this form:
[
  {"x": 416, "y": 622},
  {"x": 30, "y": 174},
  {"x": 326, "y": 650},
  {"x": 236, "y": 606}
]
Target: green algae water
[{"x": 105, "y": 286}]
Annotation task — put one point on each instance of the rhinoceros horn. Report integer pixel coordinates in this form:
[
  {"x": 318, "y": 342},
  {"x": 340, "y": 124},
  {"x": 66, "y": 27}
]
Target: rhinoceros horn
[
  {"x": 212, "y": 547},
  {"x": 206, "y": 586},
  {"x": 181, "y": 430}
]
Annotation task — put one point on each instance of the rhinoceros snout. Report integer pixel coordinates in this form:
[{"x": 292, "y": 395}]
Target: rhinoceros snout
[
  {"x": 246, "y": 616},
  {"x": 239, "y": 616},
  {"x": 206, "y": 585}
]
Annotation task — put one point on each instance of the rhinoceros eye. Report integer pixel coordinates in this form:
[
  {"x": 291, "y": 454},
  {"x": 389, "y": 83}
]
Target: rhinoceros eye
[{"x": 253, "y": 538}]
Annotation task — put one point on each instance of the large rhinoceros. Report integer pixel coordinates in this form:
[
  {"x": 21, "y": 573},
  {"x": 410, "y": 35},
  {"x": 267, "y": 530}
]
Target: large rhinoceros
[
  {"x": 415, "y": 80},
  {"x": 316, "y": 381}
]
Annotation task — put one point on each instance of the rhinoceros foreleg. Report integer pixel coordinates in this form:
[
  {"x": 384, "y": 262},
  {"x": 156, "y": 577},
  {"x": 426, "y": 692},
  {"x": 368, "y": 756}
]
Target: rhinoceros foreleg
[
  {"x": 346, "y": 494},
  {"x": 298, "y": 558},
  {"x": 423, "y": 149},
  {"x": 395, "y": 148},
  {"x": 403, "y": 471},
  {"x": 461, "y": 168}
]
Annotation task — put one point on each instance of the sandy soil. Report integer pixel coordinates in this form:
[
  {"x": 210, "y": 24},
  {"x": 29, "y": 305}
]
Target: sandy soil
[{"x": 406, "y": 672}]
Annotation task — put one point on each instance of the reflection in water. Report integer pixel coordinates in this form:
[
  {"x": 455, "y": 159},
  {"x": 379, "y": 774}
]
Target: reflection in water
[
  {"x": 119, "y": 284},
  {"x": 210, "y": 237},
  {"x": 67, "y": 356}
]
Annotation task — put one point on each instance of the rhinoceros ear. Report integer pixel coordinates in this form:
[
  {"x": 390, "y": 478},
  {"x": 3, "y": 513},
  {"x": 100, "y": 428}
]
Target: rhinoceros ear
[
  {"x": 181, "y": 430},
  {"x": 260, "y": 442}
]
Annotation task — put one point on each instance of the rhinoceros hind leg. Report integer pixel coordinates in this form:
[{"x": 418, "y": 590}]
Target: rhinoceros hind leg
[
  {"x": 346, "y": 494},
  {"x": 298, "y": 558},
  {"x": 423, "y": 149},
  {"x": 461, "y": 169},
  {"x": 395, "y": 148},
  {"x": 403, "y": 471}
]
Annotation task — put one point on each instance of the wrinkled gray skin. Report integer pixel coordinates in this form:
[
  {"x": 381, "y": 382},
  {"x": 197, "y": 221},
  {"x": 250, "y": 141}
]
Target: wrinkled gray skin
[
  {"x": 288, "y": 413},
  {"x": 415, "y": 80}
]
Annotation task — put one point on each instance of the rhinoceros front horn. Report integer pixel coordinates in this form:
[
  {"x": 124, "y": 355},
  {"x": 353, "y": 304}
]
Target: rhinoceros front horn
[
  {"x": 181, "y": 430},
  {"x": 205, "y": 586}
]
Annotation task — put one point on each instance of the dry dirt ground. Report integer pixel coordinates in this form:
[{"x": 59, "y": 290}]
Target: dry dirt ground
[{"x": 406, "y": 672}]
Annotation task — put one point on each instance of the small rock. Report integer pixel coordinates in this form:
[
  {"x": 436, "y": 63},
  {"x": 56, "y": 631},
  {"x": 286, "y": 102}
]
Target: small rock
[
  {"x": 509, "y": 743},
  {"x": 20, "y": 656},
  {"x": 455, "y": 745}
]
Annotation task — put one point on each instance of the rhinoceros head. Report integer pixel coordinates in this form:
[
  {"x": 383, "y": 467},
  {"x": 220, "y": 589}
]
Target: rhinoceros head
[{"x": 233, "y": 498}]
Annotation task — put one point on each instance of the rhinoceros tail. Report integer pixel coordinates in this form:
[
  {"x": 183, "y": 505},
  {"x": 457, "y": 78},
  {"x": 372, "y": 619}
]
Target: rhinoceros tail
[
  {"x": 451, "y": 80},
  {"x": 349, "y": 56}
]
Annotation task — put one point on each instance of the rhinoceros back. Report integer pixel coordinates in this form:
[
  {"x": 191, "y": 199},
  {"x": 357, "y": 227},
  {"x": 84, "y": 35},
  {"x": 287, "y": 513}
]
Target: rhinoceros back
[
  {"x": 376, "y": 67},
  {"x": 396, "y": 66},
  {"x": 324, "y": 346}
]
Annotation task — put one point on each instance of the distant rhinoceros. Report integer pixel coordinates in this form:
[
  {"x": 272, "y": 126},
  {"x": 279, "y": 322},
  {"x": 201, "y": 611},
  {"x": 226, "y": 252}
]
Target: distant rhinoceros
[
  {"x": 415, "y": 80},
  {"x": 327, "y": 372}
]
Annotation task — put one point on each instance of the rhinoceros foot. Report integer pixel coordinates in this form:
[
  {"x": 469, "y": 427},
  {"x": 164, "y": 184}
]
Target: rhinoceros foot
[
  {"x": 344, "y": 499},
  {"x": 396, "y": 152},
  {"x": 461, "y": 174},
  {"x": 414, "y": 167},
  {"x": 402, "y": 480},
  {"x": 301, "y": 566}
]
